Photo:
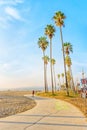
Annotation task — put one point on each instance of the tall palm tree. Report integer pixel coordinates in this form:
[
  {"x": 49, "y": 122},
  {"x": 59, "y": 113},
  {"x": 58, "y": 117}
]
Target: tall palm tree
[
  {"x": 68, "y": 63},
  {"x": 68, "y": 48},
  {"x": 69, "y": 78},
  {"x": 53, "y": 63},
  {"x": 46, "y": 60},
  {"x": 43, "y": 44},
  {"x": 59, "y": 21},
  {"x": 49, "y": 31}
]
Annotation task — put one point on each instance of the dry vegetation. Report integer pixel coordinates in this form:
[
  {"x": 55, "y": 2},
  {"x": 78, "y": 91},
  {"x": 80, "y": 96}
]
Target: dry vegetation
[
  {"x": 12, "y": 102},
  {"x": 74, "y": 99}
]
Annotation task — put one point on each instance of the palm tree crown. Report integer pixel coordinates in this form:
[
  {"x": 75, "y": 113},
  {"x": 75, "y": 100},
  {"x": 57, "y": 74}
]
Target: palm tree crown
[
  {"x": 53, "y": 61},
  {"x": 68, "y": 48},
  {"x": 62, "y": 74},
  {"x": 49, "y": 31},
  {"x": 58, "y": 76},
  {"x": 43, "y": 43},
  {"x": 58, "y": 18},
  {"x": 46, "y": 59}
]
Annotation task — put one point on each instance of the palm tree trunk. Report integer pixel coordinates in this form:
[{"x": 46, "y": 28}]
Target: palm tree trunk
[
  {"x": 59, "y": 82},
  {"x": 72, "y": 81},
  {"x": 63, "y": 80},
  {"x": 54, "y": 78},
  {"x": 64, "y": 60},
  {"x": 46, "y": 78},
  {"x": 44, "y": 74},
  {"x": 51, "y": 66}
]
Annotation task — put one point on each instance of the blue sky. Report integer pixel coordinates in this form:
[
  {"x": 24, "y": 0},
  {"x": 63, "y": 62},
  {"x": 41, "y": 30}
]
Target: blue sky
[{"x": 22, "y": 22}]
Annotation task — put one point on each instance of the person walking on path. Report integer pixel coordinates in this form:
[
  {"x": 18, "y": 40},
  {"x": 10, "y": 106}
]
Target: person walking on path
[{"x": 33, "y": 93}]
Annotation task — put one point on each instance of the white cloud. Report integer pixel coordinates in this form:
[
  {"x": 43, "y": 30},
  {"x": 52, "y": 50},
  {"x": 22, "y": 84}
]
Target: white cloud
[
  {"x": 13, "y": 13},
  {"x": 11, "y": 2},
  {"x": 10, "y": 12},
  {"x": 6, "y": 66}
]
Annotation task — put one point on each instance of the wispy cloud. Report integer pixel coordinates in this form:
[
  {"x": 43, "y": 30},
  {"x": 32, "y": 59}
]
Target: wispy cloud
[
  {"x": 10, "y": 12},
  {"x": 6, "y": 66},
  {"x": 11, "y": 2},
  {"x": 13, "y": 12},
  {"x": 10, "y": 66}
]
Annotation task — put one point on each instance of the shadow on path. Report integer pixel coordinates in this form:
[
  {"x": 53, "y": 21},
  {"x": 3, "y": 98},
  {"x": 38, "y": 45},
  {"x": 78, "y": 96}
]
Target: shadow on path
[
  {"x": 53, "y": 124},
  {"x": 52, "y": 116}
]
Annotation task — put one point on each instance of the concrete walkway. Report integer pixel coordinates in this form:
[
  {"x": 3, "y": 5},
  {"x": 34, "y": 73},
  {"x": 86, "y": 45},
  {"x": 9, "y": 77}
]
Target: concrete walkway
[{"x": 48, "y": 114}]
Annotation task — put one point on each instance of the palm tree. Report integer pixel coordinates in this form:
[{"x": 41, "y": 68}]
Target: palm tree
[
  {"x": 68, "y": 61},
  {"x": 68, "y": 78},
  {"x": 59, "y": 21},
  {"x": 68, "y": 48},
  {"x": 53, "y": 61},
  {"x": 59, "y": 79},
  {"x": 62, "y": 77},
  {"x": 49, "y": 31},
  {"x": 46, "y": 60},
  {"x": 43, "y": 44}
]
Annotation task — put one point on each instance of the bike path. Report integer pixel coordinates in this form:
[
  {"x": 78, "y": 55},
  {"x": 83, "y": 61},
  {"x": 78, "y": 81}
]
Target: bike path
[{"x": 50, "y": 114}]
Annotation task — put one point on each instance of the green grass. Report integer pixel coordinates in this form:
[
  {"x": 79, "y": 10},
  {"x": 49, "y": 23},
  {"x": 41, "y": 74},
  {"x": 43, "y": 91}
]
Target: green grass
[{"x": 59, "y": 94}]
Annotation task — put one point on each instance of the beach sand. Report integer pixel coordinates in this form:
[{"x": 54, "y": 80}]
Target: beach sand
[{"x": 12, "y": 102}]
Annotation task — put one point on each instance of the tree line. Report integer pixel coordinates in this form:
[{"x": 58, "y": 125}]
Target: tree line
[{"x": 43, "y": 43}]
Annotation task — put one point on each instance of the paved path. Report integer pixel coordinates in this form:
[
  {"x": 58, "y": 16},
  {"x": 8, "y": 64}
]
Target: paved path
[{"x": 48, "y": 114}]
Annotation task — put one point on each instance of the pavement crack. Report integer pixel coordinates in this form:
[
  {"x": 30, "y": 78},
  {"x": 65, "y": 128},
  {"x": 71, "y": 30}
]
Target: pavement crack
[{"x": 37, "y": 121}]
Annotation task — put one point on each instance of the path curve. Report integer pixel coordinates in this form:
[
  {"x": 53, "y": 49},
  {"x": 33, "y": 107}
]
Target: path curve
[{"x": 48, "y": 114}]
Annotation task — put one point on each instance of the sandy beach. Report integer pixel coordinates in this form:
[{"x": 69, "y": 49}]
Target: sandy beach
[{"x": 13, "y": 102}]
